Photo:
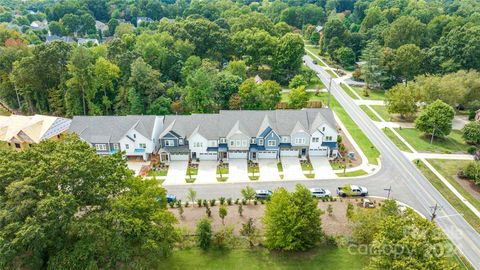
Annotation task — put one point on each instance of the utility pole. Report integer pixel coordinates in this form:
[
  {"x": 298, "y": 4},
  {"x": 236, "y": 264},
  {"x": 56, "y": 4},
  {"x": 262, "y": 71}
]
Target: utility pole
[
  {"x": 433, "y": 134},
  {"x": 434, "y": 212},
  {"x": 389, "y": 189},
  {"x": 329, "y": 91}
]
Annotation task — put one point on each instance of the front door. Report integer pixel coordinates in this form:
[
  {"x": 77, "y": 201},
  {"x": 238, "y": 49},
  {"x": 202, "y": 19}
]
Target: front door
[
  {"x": 194, "y": 155},
  {"x": 254, "y": 155},
  {"x": 304, "y": 152}
]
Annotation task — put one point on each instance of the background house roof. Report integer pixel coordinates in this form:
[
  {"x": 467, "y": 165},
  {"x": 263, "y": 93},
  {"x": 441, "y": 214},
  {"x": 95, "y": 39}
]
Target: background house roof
[
  {"x": 31, "y": 129},
  {"x": 110, "y": 129}
]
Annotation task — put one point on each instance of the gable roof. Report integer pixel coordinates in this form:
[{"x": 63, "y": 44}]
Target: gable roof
[
  {"x": 250, "y": 123},
  {"x": 111, "y": 129},
  {"x": 31, "y": 129}
]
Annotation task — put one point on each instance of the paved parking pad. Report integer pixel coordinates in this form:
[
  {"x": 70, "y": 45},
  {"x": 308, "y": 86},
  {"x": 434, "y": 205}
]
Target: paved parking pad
[
  {"x": 268, "y": 170},
  {"x": 207, "y": 172},
  {"x": 177, "y": 171},
  {"x": 322, "y": 168},
  {"x": 237, "y": 170},
  {"x": 292, "y": 170}
]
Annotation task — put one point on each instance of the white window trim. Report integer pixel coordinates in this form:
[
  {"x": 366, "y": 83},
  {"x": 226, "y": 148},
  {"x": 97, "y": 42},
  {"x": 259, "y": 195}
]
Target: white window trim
[
  {"x": 252, "y": 140},
  {"x": 223, "y": 140},
  {"x": 180, "y": 141},
  {"x": 238, "y": 143},
  {"x": 142, "y": 145},
  {"x": 260, "y": 141},
  {"x": 169, "y": 143},
  {"x": 101, "y": 147},
  {"x": 116, "y": 146},
  {"x": 127, "y": 146},
  {"x": 271, "y": 143},
  {"x": 232, "y": 143},
  {"x": 284, "y": 139}
]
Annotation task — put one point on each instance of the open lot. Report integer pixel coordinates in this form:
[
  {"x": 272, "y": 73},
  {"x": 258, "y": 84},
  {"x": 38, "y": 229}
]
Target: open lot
[{"x": 453, "y": 143}]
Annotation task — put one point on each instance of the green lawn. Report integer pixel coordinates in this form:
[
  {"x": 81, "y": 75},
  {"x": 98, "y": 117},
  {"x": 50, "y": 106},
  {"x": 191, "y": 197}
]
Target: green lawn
[
  {"x": 373, "y": 94},
  {"x": 469, "y": 216},
  {"x": 321, "y": 258},
  {"x": 332, "y": 74},
  {"x": 279, "y": 167},
  {"x": 348, "y": 91},
  {"x": 382, "y": 111},
  {"x": 306, "y": 167},
  {"x": 449, "y": 168},
  {"x": 362, "y": 140},
  {"x": 4, "y": 112},
  {"x": 353, "y": 173},
  {"x": 158, "y": 173},
  {"x": 369, "y": 113},
  {"x": 222, "y": 170},
  {"x": 453, "y": 143},
  {"x": 396, "y": 140},
  {"x": 192, "y": 171}
]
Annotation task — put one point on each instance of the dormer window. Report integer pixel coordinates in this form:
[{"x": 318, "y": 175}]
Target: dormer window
[
  {"x": 284, "y": 139},
  {"x": 223, "y": 140}
]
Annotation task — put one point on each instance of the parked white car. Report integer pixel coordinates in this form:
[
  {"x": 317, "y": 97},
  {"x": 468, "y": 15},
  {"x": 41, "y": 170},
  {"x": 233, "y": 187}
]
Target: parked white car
[{"x": 320, "y": 192}]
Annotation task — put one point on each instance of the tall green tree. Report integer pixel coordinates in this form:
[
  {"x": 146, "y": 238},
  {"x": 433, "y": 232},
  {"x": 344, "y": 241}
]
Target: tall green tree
[
  {"x": 199, "y": 91},
  {"x": 402, "y": 100},
  {"x": 298, "y": 98},
  {"x": 288, "y": 57},
  {"x": 65, "y": 207},
  {"x": 292, "y": 220},
  {"x": 81, "y": 85},
  {"x": 436, "y": 119}
]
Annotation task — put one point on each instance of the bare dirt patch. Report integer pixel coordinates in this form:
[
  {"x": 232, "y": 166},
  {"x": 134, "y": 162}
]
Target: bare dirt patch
[{"x": 336, "y": 224}]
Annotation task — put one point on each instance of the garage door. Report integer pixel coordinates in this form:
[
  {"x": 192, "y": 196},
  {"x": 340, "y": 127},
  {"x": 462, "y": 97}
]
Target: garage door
[
  {"x": 237, "y": 154},
  {"x": 208, "y": 156},
  {"x": 267, "y": 154},
  {"x": 289, "y": 153},
  {"x": 318, "y": 152},
  {"x": 179, "y": 156}
]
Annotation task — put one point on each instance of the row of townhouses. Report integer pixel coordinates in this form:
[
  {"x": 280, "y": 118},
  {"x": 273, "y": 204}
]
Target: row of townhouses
[{"x": 227, "y": 135}]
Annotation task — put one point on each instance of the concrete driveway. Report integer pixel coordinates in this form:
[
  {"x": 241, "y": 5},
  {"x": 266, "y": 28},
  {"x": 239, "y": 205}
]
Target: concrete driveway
[
  {"x": 177, "y": 172},
  {"x": 207, "y": 172},
  {"x": 322, "y": 168},
  {"x": 292, "y": 170},
  {"x": 268, "y": 170},
  {"x": 135, "y": 166},
  {"x": 238, "y": 170}
]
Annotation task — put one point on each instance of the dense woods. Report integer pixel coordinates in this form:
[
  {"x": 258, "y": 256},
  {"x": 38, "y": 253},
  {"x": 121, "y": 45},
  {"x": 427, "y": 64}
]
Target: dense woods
[{"x": 160, "y": 57}]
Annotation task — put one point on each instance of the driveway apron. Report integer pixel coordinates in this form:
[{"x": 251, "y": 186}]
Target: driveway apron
[
  {"x": 292, "y": 170},
  {"x": 268, "y": 170},
  {"x": 177, "y": 172},
  {"x": 238, "y": 170},
  {"x": 207, "y": 172},
  {"x": 322, "y": 168}
]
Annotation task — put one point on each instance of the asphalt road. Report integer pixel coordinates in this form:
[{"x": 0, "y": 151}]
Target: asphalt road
[{"x": 407, "y": 183}]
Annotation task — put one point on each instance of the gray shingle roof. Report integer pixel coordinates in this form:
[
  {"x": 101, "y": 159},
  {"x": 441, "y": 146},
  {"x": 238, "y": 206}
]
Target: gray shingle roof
[
  {"x": 251, "y": 123},
  {"x": 102, "y": 129}
]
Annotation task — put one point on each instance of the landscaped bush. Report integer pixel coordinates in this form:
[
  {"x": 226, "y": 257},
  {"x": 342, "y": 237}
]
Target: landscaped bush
[
  {"x": 472, "y": 150},
  {"x": 472, "y": 171},
  {"x": 199, "y": 202},
  {"x": 222, "y": 200},
  {"x": 224, "y": 238},
  {"x": 229, "y": 201},
  {"x": 212, "y": 202}
]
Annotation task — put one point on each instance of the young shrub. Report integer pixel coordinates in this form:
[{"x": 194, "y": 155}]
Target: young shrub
[
  {"x": 222, "y": 213},
  {"x": 349, "y": 213},
  {"x": 192, "y": 195},
  {"x": 212, "y": 202},
  {"x": 250, "y": 232},
  {"x": 199, "y": 202},
  {"x": 330, "y": 241},
  {"x": 180, "y": 210},
  {"x": 172, "y": 204},
  {"x": 204, "y": 233},
  {"x": 229, "y": 201},
  {"x": 178, "y": 203},
  {"x": 244, "y": 202},
  {"x": 329, "y": 209},
  {"x": 224, "y": 238},
  {"x": 255, "y": 202},
  {"x": 240, "y": 210},
  {"x": 186, "y": 204},
  {"x": 205, "y": 203},
  {"x": 208, "y": 211},
  {"x": 222, "y": 200}
]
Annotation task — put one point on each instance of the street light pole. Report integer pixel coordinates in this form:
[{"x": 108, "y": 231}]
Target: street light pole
[{"x": 329, "y": 91}]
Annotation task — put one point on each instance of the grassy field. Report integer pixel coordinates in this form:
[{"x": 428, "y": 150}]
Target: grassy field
[
  {"x": 382, "y": 111},
  {"x": 322, "y": 258},
  {"x": 373, "y": 94},
  {"x": 396, "y": 140},
  {"x": 333, "y": 74},
  {"x": 158, "y": 173},
  {"x": 449, "y": 168},
  {"x": 453, "y": 143},
  {"x": 362, "y": 140},
  {"x": 469, "y": 216},
  {"x": 369, "y": 113},
  {"x": 348, "y": 91}
]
